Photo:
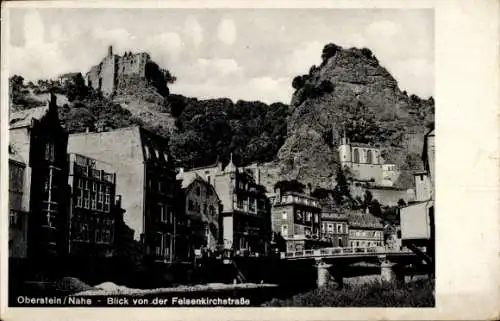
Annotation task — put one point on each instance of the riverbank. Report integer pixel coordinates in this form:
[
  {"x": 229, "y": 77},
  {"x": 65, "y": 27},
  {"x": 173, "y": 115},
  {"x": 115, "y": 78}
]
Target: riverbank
[
  {"x": 419, "y": 293},
  {"x": 109, "y": 288}
]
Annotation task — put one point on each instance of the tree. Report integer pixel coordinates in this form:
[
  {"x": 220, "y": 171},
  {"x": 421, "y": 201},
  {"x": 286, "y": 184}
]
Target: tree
[
  {"x": 298, "y": 82},
  {"x": 375, "y": 208},
  {"x": 75, "y": 89},
  {"x": 367, "y": 199},
  {"x": 341, "y": 190},
  {"x": 322, "y": 193},
  {"x": 329, "y": 51},
  {"x": 290, "y": 186}
]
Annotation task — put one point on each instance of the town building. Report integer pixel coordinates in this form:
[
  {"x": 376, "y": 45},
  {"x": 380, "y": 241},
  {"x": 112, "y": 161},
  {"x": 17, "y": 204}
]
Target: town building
[
  {"x": 39, "y": 140},
  {"x": 145, "y": 178},
  {"x": 365, "y": 230},
  {"x": 392, "y": 237},
  {"x": 296, "y": 218},
  {"x": 202, "y": 208},
  {"x": 92, "y": 209},
  {"x": 365, "y": 163},
  {"x": 246, "y": 221},
  {"x": 18, "y": 210},
  {"x": 417, "y": 219},
  {"x": 334, "y": 224}
]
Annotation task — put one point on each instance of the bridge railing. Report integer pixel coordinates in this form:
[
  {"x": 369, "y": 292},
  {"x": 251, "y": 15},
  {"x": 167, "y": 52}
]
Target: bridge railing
[{"x": 340, "y": 251}]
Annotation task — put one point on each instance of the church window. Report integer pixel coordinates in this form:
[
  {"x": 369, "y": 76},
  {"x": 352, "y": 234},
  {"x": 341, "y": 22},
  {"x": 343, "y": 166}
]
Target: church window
[
  {"x": 356, "y": 155},
  {"x": 369, "y": 158}
]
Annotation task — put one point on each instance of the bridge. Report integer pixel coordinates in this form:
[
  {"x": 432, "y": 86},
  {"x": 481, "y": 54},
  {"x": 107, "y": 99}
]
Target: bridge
[{"x": 346, "y": 252}]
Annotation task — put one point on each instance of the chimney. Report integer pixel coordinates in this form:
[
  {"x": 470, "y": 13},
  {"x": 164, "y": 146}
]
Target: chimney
[
  {"x": 309, "y": 189},
  {"x": 110, "y": 51},
  {"x": 181, "y": 170},
  {"x": 87, "y": 130}
]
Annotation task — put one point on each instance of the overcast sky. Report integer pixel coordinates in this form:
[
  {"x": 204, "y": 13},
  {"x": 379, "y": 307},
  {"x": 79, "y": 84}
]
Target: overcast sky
[{"x": 241, "y": 54}]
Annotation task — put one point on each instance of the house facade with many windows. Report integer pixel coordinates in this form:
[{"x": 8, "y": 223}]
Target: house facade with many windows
[
  {"x": 18, "y": 212},
  {"x": 246, "y": 219},
  {"x": 92, "y": 211},
  {"x": 145, "y": 178},
  {"x": 202, "y": 209},
  {"x": 365, "y": 230},
  {"x": 39, "y": 139},
  {"x": 296, "y": 219},
  {"x": 334, "y": 225}
]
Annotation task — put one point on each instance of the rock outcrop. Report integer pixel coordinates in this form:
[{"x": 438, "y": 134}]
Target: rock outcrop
[{"x": 350, "y": 90}]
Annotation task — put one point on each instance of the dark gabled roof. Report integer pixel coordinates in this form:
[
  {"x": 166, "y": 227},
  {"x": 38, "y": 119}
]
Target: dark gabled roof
[{"x": 364, "y": 220}]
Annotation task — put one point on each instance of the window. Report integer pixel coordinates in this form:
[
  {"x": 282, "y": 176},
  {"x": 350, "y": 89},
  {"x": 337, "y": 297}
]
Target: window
[
  {"x": 339, "y": 228},
  {"x": 330, "y": 228},
  {"x": 284, "y": 215},
  {"x": 198, "y": 190},
  {"x": 316, "y": 218},
  {"x": 356, "y": 155},
  {"x": 239, "y": 202},
  {"x": 208, "y": 180},
  {"x": 284, "y": 230},
  {"x": 340, "y": 242},
  {"x": 12, "y": 218},
  {"x": 251, "y": 204},
  {"x": 346, "y": 229},
  {"x": 86, "y": 200},
  {"x": 369, "y": 157},
  {"x": 93, "y": 203},
  {"x": 205, "y": 208},
  {"x": 49, "y": 152},
  {"x": 107, "y": 199}
]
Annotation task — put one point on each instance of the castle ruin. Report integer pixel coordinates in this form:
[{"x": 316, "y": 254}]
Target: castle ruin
[{"x": 105, "y": 76}]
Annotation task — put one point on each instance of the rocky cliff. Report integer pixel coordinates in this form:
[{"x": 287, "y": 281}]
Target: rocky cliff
[{"x": 350, "y": 90}]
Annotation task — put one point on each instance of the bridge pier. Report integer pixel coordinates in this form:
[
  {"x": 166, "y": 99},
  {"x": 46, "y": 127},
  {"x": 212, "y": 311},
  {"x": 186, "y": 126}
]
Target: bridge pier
[
  {"x": 324, "y": 275},
  {"x": 391, "y": 272}
]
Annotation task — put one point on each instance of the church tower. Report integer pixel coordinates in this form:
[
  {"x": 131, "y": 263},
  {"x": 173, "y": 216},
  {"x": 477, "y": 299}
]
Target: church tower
[{"x": 344, "y": 149}]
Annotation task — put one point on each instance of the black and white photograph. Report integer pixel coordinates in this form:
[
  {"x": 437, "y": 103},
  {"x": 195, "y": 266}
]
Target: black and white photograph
[{"x": 221, "y": 157}]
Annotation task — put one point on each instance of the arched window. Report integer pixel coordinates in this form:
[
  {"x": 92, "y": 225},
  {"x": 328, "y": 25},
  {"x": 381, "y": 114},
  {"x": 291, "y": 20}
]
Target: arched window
[
  {"x": 369, "y": 157},
  {"x": 356, "y": 155}
]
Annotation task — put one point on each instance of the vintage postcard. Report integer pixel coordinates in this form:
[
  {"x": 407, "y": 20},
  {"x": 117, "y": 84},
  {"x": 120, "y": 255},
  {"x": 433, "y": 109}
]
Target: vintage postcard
[{"x": 254, "y": 157}]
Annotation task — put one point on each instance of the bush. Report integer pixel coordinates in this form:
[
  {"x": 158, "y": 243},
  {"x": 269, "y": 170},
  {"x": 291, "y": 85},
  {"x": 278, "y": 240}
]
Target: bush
[{"x": 375, "y": 294}]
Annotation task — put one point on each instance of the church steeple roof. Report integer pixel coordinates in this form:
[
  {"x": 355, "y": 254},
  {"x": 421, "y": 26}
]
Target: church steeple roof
[{"x": 230, "y": 168}]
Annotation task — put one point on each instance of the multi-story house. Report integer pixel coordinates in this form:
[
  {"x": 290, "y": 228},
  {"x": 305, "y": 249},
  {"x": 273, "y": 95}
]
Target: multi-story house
[
  {"x": 365, "y": 230},
  {"x": 296, "y": 218},
  {"x": 334, "y": 225},
  {"x": 18, "y": 215},
  {"x": 417, "y": 219},
  {"x": 246, "y": 221},
  {"x": 92, "y": 209},
  {"x": 202, "y": 208},
  {"x": 39, "y": 139},
  {"x": 145, "y": 178}
]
